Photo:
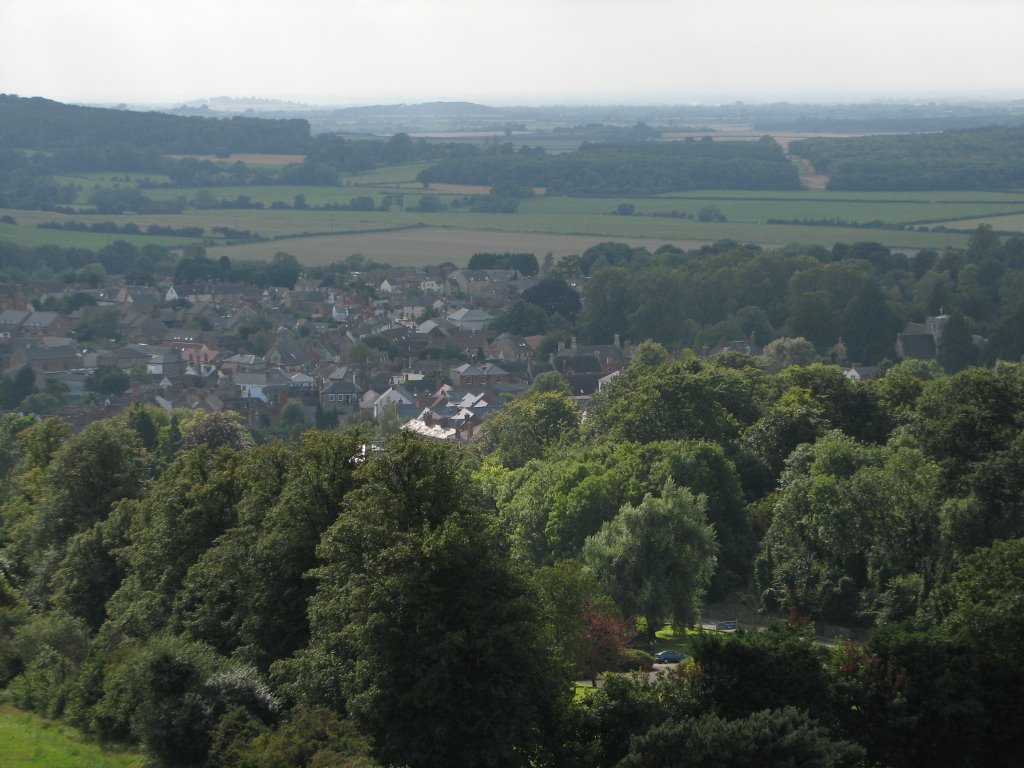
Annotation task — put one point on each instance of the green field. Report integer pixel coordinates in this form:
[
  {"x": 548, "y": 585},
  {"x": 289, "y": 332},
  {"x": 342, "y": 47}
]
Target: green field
[
  {"x": 29, "y": 741},
  {"x": 28, "y": 235},
  {"x": 543, "y": 223},
  {"x": 392, "y": 174},
  {"x": 1010, "y": 223}
]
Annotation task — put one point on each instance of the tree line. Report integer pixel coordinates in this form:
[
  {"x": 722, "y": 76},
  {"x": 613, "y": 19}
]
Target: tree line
[
  {"x": 847, "y": 303},
  {"x": 635, "y": 168},
  {"x": 987, "y": 158}
]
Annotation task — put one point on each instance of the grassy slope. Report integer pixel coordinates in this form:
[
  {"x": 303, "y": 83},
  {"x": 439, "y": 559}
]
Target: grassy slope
[{"x": 29, "y": 741}]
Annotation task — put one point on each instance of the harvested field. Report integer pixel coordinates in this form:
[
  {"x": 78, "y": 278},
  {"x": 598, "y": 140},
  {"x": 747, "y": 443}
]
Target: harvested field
[{"x": 426, "y": 245}]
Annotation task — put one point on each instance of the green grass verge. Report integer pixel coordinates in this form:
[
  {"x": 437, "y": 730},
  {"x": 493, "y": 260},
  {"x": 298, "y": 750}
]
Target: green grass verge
[
  {"x": 29, "y": 741},
  {"x": 581, "y": 692},
  {"x": 669, "y": 639}
]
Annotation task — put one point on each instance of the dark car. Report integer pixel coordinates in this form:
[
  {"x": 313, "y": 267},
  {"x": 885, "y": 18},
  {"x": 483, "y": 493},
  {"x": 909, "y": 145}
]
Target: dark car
[{"x": 669, "y": 657}]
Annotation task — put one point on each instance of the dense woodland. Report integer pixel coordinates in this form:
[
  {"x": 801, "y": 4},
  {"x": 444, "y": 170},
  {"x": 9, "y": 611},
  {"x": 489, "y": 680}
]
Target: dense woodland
[
  {"x": 862, "y": 293},
  {"x": 167, "y": 582},
  {"x": 984, "y": 158},
  {"x": 628, "y": 169}
]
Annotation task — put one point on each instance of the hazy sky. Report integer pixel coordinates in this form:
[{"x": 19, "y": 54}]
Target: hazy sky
[{"x": 526, "y": 52}]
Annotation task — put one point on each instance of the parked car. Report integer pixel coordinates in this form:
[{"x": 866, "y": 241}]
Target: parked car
[{"x": 669, "y": 657}]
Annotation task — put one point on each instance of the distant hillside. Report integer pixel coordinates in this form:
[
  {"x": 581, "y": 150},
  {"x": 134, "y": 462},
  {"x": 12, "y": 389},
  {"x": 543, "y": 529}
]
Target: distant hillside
[
  {"x": 982, "y": 159},
  {"x": 41, "y": 124},
  {"x": 429, "y": 109}
]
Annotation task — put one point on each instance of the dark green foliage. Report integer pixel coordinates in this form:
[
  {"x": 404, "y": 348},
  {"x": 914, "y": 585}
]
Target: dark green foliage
[
  {"x": 710, "y": 213},
  {"x": 528, "y": 426},
  {"x": 110, "y": 381},
  {"x": 216, "y": 431},
  {"x": 90, "y": 572},
  {"x": 901, "y": 386},
  {"x": 410, "y": 565},
  {"x": 656, "y": 559},
  {"x": 523, "y": 263},
  {"x": 675, "y": 401},
  {"x": 98, "y": 324},
  {"x": 604, "y": 306},
  {"x": 312, "y": 737},
  {"x": 628, "y": 169},
  {"x": 870, "y": 325},
  {"x": 194, "y": 501},
  {"x": 520, "y": 318},
  {"x": 849, "y": 406},
  {"x": 650, "y": 353},
  {"x": 794, "y": 419},
  {"x": 923, "y": 699},
  {"x": 854, "y": 532},
  {"x": 963, "y": 419},
  {"x": 985, "y": 158},
  {"x": 551, "y": 507},
  {"x": 146, "y": 422},
  {"x": 430, "y": 203},
  {"x": 46, "y": 651},
  {"x": 754, "y": 671},
  {"x": 75, "y": 490},
  {"x": 14, "y": 390},
  {"x": 11, "y": 425},
  {"x": 170, "y": 694},
  {"x": 14, "y": 612},
  {"x": 957, "y": 350},
  {"x": 623, "y": 708},
  {"x": 554, "y": 296},
  {"x": 584, "y": 622},
  {"x": 983, "y": 603},
  {"x": 780, "y": 737},
  {"x": 612, "y": 254},
  {"x": 248, "y": 593},
  {"x": 813, "y": 317}
]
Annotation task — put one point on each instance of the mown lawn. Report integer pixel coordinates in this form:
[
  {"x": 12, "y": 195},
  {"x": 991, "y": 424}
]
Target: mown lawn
[{"x": 29, "y": 741}]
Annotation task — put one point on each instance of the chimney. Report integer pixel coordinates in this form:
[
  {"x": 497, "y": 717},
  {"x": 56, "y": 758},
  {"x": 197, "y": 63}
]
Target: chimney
[
  {"x": 616, "y": 341},
  {"x": 573, "y": 342}
]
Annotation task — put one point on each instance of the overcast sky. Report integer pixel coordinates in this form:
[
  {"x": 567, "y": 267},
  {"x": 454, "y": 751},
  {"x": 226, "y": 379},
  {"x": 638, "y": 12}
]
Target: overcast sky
[{"x": 526, "y": 52}]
